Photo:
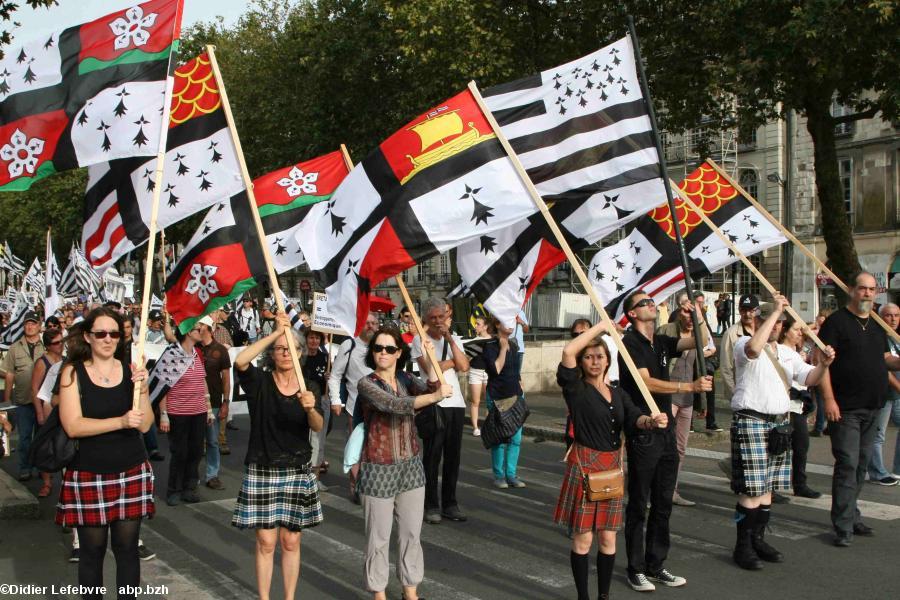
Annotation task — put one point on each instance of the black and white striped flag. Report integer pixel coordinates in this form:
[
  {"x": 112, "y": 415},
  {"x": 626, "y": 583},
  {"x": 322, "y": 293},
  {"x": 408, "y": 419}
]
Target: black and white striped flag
[
  {"x": 68, "y": 281},
  {"x": 34, "y": 278},
  {"x": 10, "y": 261},
  {"x": 293, "y": 312},
  {"x": 51, "y": 281},
  {"x": 16, "y": 327}
]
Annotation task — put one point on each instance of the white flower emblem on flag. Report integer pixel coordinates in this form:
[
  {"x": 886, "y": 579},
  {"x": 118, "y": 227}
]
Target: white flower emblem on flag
[
  {"x": 131, "y": 29},
  {"x": 202, "y": 282},
  {"x": 297, "y": 182},
  {"x": 22, "y": 152}
]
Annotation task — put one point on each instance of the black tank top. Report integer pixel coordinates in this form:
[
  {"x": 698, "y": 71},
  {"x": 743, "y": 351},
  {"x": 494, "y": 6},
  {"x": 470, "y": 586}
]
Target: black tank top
[{"x": 115, "y": 451}]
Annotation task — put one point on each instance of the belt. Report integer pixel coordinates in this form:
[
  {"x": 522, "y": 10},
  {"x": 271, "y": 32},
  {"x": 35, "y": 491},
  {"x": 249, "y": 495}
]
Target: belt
[{"x": 746, "y": 412}]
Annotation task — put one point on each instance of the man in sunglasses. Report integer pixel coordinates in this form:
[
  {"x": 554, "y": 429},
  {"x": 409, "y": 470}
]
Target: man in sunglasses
[
  {"x": 652, "y": 455},
  {"x": 445, "y": 444},
  {"x": 17, "y": 368}
]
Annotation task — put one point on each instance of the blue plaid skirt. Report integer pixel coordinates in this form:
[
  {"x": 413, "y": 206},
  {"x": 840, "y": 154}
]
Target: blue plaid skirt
[
  {"x": 754, "y": 471},
  {"x": 277, "y": 497}
]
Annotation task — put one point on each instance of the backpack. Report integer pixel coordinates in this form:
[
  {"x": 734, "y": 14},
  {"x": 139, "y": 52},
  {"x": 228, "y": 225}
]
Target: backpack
[
  {"x": 239, "y": 337},
  {"x": 52, "y": 449}
]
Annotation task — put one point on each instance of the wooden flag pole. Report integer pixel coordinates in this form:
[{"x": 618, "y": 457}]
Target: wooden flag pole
[
  {"x": 740, "y": 255},
  {"x": 791, "y": 237},
  {"x": 254, "y": 210},
  {"x": 151, "y": 231},
  {"x": 564, "y": 245},
  {"x": 405, "y": 293}
]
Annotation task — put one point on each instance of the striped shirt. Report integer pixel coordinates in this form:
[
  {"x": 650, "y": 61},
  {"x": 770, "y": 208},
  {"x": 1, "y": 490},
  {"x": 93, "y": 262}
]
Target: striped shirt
[{"x": 188, "y": 395}]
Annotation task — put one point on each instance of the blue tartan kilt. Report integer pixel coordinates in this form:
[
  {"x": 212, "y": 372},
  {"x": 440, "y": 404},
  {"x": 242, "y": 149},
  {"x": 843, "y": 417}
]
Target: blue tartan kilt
[
  {"x": 277, "y": 497},
  {"x": 755, "y": 472}
]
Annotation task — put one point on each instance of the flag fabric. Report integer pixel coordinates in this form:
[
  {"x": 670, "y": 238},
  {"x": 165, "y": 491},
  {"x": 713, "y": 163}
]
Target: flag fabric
[
  {"x": 156, "y": 302},
  {"x": 51, "y": 281},
  {"x": 583, "y": 133},
  {"x": 169, "y": 368},
  {"x": 34, "y": 278},
  {"x": 284, "y": 198},
  {"x": 200, "y": 169},
  {"x": 439, "y": 181},
  {"x": 86, "y": 94},
  {"x": 89, "y": 280},
  {"x": 222, "y": 260},
  {"x": 648, "y": 258},
  {"x": 16, "y": 327},
  {"x": 11, "y": 262},
  {"x": 68, "y": 280},
  {"x": 292, "y": 312}
]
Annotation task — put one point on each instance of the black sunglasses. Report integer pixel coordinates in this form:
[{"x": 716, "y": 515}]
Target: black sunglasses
[
  {"x": 376, "y": 348},
  {"x": 100, "y": 335},
  {"x": 643, "y": 303}
]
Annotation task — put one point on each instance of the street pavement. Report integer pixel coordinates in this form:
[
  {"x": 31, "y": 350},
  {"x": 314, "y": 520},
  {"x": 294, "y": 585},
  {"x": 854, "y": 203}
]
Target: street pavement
[{"x": 509, "y": 549}]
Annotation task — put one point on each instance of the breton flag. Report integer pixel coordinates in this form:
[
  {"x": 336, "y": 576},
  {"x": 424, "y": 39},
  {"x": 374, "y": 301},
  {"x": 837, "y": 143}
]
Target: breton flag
[
  {"x": 583, "y": 133},
  {"x": 68, "y": 281},
  {"x": 86, "y": 94},
  {"x": 648, "y": 259},
  {"x": 51, "y": 281},
  {"x": 201, "y": 168},
  {"x": 10, "y": 261},
  {"x": 284, "y": 197},
  {"x": 292, "y": 312},
  {"x": 34, "y": 278},
  {"x": 221, "y": 262},
  {"x": 16, "y": 327},
  {"x": 439, "y": 181}
]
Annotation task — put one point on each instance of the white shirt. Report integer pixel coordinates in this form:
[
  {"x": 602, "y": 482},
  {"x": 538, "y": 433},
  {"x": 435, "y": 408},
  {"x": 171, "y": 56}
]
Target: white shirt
[
  {"x": 353, "y": 364},
  {"x": 46, "y": 391},
  {"x": 248, "y": 320},
  {"x": 612, "y": 374},
  {"x": 758, "y": 385},
  {"x": 456, "y": 400}
]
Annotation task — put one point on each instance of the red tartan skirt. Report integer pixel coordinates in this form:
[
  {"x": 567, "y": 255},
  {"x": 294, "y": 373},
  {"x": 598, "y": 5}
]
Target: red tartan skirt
[
  {"x": 94, "y": 499},
  {"x": 573, "y": 510}
]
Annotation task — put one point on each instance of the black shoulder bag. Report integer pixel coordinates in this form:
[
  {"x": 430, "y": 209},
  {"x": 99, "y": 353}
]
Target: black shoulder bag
[
  {"x": 430, "y": 420},
  {"x": 779, "y": 440}
]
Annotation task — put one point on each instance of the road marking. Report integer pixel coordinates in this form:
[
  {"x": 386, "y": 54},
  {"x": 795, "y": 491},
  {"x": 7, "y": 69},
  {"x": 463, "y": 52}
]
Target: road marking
[
  {"x": 870, "y": 509},
  {"x": 475, "y": 546},
  {"x": 502, "y": 494},
  {"x": 717, "y": 455}
]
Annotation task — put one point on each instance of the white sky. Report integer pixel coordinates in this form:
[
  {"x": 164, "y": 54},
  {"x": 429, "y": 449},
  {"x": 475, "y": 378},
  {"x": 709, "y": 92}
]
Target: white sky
[{"x": 37, "y": 22}]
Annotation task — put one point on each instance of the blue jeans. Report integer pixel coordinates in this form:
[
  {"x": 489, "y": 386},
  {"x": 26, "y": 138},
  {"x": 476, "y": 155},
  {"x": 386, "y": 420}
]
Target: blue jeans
[
  {"x": 213, "y": 457},
  {"x": 26, "y": 424},
  {"x": 505, "y": 457},
  {"x": 890, "y": 413},
  {"x": 150, "y": 441}
]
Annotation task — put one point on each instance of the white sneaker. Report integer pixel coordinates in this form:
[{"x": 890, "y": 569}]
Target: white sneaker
[
  {"x": 476, "y": 432},
  {"x": 640, "y": 583}
]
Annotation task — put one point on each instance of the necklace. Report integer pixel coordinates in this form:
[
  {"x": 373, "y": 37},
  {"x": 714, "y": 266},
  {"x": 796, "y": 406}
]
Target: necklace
[
  {"x": 860, "y": 323},
  {"x": 97, "y": 370}
]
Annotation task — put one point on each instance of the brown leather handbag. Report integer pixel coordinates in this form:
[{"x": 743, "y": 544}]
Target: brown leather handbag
[{"x": 602, "y": 485}]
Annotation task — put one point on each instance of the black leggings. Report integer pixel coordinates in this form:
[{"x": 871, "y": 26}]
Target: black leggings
[{"x": 92, "y": 544}]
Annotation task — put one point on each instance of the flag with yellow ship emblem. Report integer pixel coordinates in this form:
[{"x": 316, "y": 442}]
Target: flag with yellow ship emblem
[{"x": 441, "y": 180}]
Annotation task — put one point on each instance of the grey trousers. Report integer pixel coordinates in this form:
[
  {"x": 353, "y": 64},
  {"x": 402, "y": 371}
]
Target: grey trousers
[
  {"x": 407, "y": 509},
  {"x": 851, "y": 445}
]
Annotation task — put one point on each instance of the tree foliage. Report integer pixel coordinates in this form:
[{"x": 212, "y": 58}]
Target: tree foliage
[{"x": 7, "y": 9}]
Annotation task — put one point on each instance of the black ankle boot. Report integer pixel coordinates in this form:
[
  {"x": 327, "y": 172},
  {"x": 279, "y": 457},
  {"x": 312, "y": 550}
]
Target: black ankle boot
[
  {"x": 744, "y": 554},
  {"x": 762, "y": 548}
]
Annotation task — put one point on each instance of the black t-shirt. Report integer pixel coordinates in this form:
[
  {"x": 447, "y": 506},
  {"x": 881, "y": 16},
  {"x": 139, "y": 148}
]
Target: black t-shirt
[
  {"x": 474, "y": 350},
  {"x": 655, "y": 358},
  {"x": 279, "y": 430},
  {"x": 505, "y": 383},
  {"x": 598, "y": 423},
  {"x": 859, "y": 374},
  {"x": 215, "y": 360},
  {"x": 314, "y": 367},
  {"x": 113, "y": 451}
]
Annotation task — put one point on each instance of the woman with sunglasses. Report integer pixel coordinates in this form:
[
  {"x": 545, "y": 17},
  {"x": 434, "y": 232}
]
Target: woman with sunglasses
[
  {"x": 391, "y": 476},
  {"x": 278, "y": 496},
  {"x": 108, "y": 487},
  {"x": 599, "y": 414},
  {"x": 184, "y": 413}
]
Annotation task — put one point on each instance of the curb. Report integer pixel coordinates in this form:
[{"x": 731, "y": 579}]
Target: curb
[
  {"x": 16, "y": 502},
  {"x": 547, "y": 433}
]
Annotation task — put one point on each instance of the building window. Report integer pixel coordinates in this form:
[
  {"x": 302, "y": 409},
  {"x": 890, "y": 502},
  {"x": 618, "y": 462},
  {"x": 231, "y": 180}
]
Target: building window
[
  {"x": 749, "y": 180},
  {"x": 840, "y": 110},
  {"x": 845, "y": 170},
  {"x": 444, "y": 264},
  {"x": 747, "y": 281}
]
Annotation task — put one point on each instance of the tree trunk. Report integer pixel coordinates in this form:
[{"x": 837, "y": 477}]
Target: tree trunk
[{"x": 836, "y": 226}]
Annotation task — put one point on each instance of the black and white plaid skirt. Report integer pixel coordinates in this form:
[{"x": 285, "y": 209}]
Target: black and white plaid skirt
[
  {"x": 754, "y": 471},
  {"x": 277, "y": 497}
]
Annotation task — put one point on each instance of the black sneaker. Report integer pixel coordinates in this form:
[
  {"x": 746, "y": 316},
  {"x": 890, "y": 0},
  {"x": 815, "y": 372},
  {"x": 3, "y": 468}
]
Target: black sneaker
[
  {"x": 779, "y": 498},
  {"x": 156, "y": 457},
  {"x": 74, "y": 555},
  {"x": 667, "y": 579},
  {"x": 144, "y": 553},
  {"x": 640, "y": 583},
  {"x": 232, "y": 426},
  {"x": 173, "y": 499},
  {"x": 806, "y": 492},
  {"x": 713, "y": 428},
  {"x": 843, "y": 539},
  {"x": 861, "y": 528},
  {"x": 885, "y": 481},
  {"x": 190, "y": 496}
]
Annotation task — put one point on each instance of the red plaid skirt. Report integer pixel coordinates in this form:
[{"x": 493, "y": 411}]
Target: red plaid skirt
[
  {"x": 573, "y": 511},
  {"x": 94, "y": 499}
]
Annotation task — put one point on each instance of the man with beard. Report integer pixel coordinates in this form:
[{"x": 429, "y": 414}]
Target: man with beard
[{"x": 855, "y": 388}]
